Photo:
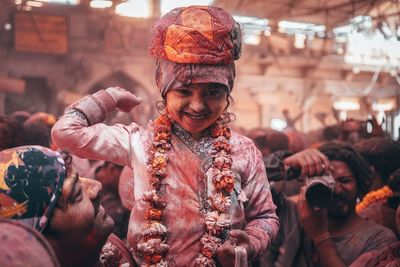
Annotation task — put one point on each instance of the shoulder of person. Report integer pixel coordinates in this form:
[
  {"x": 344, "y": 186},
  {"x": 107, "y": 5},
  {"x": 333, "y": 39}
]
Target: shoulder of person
[
  {"x": 377, "y": 235},
  {"x": 242, "y": 140}
]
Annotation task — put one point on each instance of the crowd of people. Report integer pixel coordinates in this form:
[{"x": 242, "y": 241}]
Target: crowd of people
[{"x": 185, "y": 190}]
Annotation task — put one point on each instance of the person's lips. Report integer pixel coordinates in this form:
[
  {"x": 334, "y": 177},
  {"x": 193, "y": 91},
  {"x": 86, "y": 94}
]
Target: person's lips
[
  {"x": 101, "y": 212},
  {"x": 96, "y": 205},
  {"x": 196, "y": 116}
]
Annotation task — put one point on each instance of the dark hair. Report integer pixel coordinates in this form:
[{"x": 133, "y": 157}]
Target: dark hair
[
  {"x": 277, "y": 141},
  {"x": 38, "y": 133},
  {"x": 394, "y": 184},
  {"x": 394, "y": 181},
  {"x": 261, "y": 141},
  {"x": 331, "y": 133},
  {"x": 344, "y": 152},
  {"x": 381, "y": 152},
  {"x": 11, "y": 132}
]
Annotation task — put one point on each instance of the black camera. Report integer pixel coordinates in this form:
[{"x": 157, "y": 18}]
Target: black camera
[{"x": 319, "y": 190}]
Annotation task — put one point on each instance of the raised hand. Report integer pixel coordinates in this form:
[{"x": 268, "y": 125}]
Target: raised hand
[
  {"x": 311, "y": 162},
  {"x": 125, "y": 100}
]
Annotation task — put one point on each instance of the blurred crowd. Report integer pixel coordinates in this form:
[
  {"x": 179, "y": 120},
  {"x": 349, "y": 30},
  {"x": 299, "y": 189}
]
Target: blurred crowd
[{"x": 360, "y": 219}]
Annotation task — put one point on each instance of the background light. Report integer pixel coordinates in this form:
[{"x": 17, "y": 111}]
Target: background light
[
  {"x": 134, "y": 8},
  {"x": 346, "y": 105},
  {"x": 278, "y": 124},
  {"x": 100, "y": 4}
]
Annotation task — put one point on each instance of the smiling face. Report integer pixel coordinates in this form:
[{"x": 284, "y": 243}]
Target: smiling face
[
  {"x": 345, "y": 194},
  {"x": 196, "y": 107},
  {"x": 78, "y": 215}
]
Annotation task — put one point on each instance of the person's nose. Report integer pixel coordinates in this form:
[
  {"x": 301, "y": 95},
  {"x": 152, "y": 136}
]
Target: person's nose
[
  {"x": 338, "y": 188},
  {"x": 197, "y": 103},
  {"x": 91, "y": 187}
]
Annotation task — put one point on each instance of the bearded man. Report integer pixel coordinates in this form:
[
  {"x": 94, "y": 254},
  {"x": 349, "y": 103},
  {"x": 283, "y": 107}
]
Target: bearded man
[{"x": 339, "y": 236}]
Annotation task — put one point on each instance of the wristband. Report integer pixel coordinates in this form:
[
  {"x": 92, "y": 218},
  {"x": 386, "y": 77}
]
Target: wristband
[{"x": 321, "y": 238}]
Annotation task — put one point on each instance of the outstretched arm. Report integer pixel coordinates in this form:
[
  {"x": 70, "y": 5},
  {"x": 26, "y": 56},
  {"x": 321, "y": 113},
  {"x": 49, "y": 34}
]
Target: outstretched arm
[{"x": 81, "y": 132}]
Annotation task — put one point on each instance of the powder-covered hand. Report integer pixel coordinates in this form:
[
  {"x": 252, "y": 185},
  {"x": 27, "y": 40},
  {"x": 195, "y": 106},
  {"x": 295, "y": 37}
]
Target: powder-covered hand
[
  {"x": 311, "y": 162},
  {"x": 226, "y": 252},
  {"x": 125, "y": 100}
]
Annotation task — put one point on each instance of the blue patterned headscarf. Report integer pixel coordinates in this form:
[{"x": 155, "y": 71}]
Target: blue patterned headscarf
[{"x": 31, "y": 180}]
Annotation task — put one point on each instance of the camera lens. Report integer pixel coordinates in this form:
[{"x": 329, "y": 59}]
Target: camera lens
[{"x": 318, "y": 195}]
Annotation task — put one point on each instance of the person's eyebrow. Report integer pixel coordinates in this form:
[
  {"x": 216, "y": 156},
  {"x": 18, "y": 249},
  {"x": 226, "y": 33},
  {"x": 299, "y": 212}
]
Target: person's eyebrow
[{"x": 346, "y": 176}]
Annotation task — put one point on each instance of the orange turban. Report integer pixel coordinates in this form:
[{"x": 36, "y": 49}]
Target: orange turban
[{"x": 195, "y": 44}]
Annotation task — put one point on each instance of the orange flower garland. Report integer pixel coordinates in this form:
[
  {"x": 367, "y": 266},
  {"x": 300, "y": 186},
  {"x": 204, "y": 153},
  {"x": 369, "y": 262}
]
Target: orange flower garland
[
  {"x": 217, "y": 220},
  {"x": 153, "y": 246},
  {"x": 374, "y": 196}
]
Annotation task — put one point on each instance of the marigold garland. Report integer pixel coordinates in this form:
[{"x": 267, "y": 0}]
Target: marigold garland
[
  {"x": 153, "y": 246},
  {"x": 374, "y": 196}
]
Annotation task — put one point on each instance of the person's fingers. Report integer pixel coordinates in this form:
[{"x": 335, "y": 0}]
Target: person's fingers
[
  {"x": 136, "y": 100},
  {"x": 325, "y": 161},
  {"x": 239, "y": 235},
  {"x": 300, "y": 202},
  {"x": 318, "y": 163},
  {"x": 310, "y": 169},
  {"x": 292, "y": 161},
  {"x": 226, "y": 250}
]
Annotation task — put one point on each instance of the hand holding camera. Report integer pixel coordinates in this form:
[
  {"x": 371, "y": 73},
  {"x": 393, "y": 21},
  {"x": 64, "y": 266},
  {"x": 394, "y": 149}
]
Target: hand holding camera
[
  {"x": 315, "y": 166},
  {"x": 314, "y": 221}
]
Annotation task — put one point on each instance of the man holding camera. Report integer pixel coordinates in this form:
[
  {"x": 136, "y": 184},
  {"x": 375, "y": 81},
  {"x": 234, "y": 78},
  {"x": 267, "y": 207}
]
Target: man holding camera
[{"x": 338, "y": 235}]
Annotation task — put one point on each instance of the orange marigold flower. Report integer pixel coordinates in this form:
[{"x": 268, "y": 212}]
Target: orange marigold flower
[
  {"x": 226, "y": 183},
  {"x": 222, "y": 145},
  {"x": 162, "y": 129},
  {"x": 374, "y": 196},
  {"x": 154, "y": 214},
  {"x": 206, "y": 252},
  {"x": 161, "y": 136},
  {"x": 230, "y": 183},
  {"x": 219, "y": 130},
  {"x": 159, "y": 163},
  {"x": 163, "y": 120},
  {"x": 222, "y": 165},
  {"x": 152, "y": 259}
]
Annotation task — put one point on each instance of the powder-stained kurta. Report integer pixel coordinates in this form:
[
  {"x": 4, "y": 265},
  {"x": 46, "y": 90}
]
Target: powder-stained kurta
[{"x": 187, "y": 185}]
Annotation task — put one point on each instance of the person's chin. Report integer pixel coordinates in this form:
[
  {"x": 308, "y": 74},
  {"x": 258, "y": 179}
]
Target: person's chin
[{"x": 194, "y": 127}]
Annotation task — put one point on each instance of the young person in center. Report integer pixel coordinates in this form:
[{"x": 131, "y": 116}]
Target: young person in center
[{"x": 201, "y": 195}]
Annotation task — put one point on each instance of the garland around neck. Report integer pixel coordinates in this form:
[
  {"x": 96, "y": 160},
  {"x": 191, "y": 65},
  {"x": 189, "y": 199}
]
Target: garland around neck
[{"x": 153, "y": 245}]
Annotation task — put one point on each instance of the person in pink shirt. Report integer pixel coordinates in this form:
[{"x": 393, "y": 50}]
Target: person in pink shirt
[{"x": 201, "y": 194}]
